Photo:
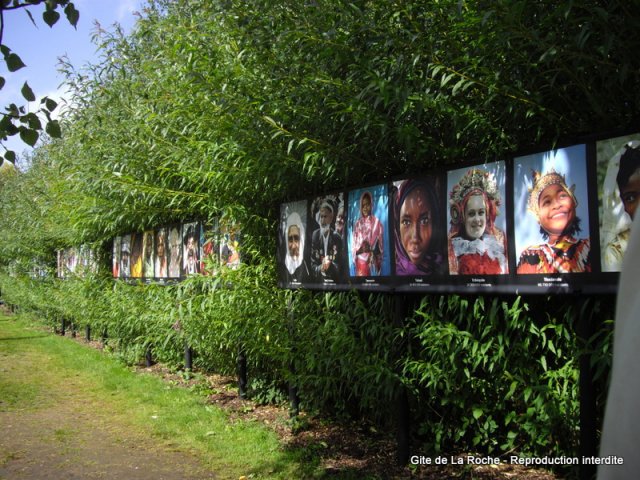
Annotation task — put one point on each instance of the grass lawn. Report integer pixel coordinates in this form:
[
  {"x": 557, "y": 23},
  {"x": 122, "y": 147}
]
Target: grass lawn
[{"x": 39, "y": 370}]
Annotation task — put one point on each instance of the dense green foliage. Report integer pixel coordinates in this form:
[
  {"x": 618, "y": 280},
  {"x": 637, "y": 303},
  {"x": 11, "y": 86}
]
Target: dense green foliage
[{"x": 228, "y": 108}]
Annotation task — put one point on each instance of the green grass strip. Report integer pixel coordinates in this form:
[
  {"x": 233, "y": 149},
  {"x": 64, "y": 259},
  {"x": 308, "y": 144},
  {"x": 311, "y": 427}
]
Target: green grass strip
[{"x": 39, "y": 368}]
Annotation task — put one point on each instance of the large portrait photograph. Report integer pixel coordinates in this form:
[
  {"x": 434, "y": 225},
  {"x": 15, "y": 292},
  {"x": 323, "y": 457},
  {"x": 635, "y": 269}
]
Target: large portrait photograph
[
  {"x": 210, "y": 241},
  {"x": 190, "y": 248},
  {"x": 174, "y": 238},
  {"x": 476, "y": 241},
  {"x": 293, "y": 269},
  {"x": 136, "y": 255},
  {"x": 160, "y": 258},
  {"x": 148, "y": 241},
  {"x": 367, "y": 232},
  {"x": 328, "y": 258},
  {"x": 115, "y": 265},
  {"x": 618, "y": 169},
  {"x": 60, "y": 264},
  {"x": 419, "y": 228},
  {"x": 551, "y": 214},
  {"x": 230, "y": 246},
  {"x": 125, "y": 257}
]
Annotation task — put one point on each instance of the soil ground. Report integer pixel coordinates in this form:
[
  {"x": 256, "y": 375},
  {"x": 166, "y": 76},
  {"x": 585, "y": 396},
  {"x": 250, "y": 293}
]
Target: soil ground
[
  {"x": 61, "y": 431},
  {"x": 50, "y": 439}
]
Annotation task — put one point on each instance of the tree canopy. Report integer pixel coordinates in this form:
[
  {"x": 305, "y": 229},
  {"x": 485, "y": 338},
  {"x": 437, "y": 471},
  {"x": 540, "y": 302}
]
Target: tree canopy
[{"x": 17, "y": 119}]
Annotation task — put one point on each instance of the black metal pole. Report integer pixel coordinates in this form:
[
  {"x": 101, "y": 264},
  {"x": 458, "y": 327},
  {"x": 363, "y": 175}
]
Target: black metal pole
[
  {"x": 294, "y": 399},
  {"x": 87, "y": 333},
  {"x": 588, "y": 411},
  {"x": 148, "y": 358},
  {"x": 63, "y": 326},
  {"x": 188, "y": 356},
  {"x": 242, "y": 373},
  {"x": 403, "y": 413}
]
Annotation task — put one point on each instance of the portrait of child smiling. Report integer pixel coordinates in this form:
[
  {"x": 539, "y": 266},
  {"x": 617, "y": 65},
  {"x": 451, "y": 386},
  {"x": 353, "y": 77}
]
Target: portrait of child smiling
[{"x": 553, "y": 203}]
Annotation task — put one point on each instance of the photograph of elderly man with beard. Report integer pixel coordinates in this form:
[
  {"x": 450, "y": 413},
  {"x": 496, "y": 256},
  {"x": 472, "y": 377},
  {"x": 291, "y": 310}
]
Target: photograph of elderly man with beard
[
  {"x": 327, "y": 246},
  {"x": 191, "y": 252},
  {"x": 294, "y": 270}
]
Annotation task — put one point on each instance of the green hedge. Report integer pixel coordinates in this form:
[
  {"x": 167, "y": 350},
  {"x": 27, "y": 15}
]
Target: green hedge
[{"x": 484, "y": 374}]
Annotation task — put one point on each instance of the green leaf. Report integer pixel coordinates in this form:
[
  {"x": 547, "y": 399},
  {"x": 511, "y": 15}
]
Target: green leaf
[
  {"x": 32, "y": 120},
  {"x": 50, "y": 104},
  {"x": 27, "y": 93},
  {"x": 477, "y": 413},
  {"x": 7, "y": 128},
  {"x": 72, "y": 14},
  {"x": 2, "y": 82},
  {"x": 10, "y": 155},
  {"x": 29, "y": 136},
  {"x": 53, "y": 129},
  {"x": 14, "y": 62},
  {"x": 50, "y": 17}
]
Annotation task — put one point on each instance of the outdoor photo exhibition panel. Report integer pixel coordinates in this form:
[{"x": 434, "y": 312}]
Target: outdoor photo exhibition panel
[
  {"x": 173, "y": 252},
  {"x": 551, "y": 221}
]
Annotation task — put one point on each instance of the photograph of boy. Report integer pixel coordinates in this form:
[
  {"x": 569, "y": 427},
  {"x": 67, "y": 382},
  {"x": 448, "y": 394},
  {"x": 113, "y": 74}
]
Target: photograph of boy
[
  {"x": 477, "y": 242},
  {"x": 550, "y": 203},
  {"x": 618, "y": 161}
]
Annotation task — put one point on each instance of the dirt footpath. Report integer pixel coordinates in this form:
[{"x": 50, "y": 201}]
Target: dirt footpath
[
  {"x": 58, "y": 431},
  {"x": 56, "y": 443}
]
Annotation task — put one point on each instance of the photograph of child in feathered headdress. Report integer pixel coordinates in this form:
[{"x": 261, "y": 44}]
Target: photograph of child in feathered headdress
[{"x": 551, "y": 217}]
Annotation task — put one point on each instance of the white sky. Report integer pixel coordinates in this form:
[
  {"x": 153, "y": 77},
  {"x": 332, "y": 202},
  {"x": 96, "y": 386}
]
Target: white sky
[{"x": 40, "y": 47}]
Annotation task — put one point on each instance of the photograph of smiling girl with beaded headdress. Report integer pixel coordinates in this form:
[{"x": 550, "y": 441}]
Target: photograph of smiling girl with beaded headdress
[
  {"x": 477, "y": 242},
  {"x": 550, "y": 206}
]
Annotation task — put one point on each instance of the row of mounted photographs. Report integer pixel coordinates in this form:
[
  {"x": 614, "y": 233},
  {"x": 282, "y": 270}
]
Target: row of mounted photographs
[
  {"x": 534, "y": 214},
  {"x": 175, "y": 251}
]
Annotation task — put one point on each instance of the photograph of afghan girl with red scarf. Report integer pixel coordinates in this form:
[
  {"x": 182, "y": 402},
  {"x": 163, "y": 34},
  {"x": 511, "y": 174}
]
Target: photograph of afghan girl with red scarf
[{"x": 477, "y": 245}]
